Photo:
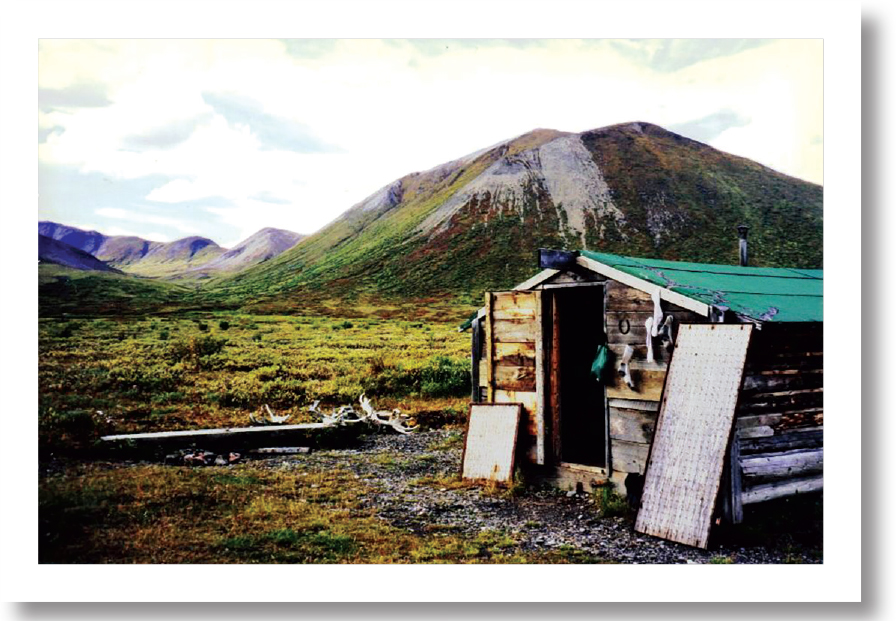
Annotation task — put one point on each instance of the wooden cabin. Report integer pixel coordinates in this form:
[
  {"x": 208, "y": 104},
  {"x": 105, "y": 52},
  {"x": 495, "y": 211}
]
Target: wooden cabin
[{"x": 535, "y": 345}]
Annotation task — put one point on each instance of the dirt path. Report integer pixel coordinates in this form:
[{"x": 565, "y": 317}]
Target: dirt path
[{"x": 411, "y": 487}]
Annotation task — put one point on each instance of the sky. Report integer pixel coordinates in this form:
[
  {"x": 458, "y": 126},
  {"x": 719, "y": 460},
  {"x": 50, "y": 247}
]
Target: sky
[{"x": 168, "y": 138}]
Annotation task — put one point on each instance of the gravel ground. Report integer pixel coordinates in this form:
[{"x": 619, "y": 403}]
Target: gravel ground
[{"x": 539, "y": 518}]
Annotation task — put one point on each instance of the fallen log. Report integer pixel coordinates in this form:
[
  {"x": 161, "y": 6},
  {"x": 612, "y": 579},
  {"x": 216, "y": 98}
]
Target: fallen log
[{"x": 246, "y": 438}]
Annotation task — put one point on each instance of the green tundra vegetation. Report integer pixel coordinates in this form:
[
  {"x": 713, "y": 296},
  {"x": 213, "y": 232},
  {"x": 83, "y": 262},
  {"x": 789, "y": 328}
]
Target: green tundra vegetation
[{"x": 195, "y": 369}]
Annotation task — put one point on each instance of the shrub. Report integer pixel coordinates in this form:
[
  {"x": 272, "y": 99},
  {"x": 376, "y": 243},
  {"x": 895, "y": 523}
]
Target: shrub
[
  {"x": 203, "y": 327},
  {"x": 223, "y": 324},
  {"x": 444, "y": 377},
  {"x": 440, "y": 377},
  {"x": 164, "y": 334},
  {"x": 197, "y": 350}
]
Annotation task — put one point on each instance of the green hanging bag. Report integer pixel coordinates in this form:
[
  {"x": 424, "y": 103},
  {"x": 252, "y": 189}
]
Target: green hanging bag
[{"x": 601, "y": 362}]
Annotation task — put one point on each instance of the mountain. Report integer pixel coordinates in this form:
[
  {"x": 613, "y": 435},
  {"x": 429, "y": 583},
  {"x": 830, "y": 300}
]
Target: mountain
[
  {"x": 88, "y": 241},
  {"x": 121, "y": 250},
  {"x": 135, "y": 255},
  {"x": 258, "y": 248},
  {"x": 175, "y": 258},
  {"x": 51, "y": 250},
  {"x": 476, "y": 223}
]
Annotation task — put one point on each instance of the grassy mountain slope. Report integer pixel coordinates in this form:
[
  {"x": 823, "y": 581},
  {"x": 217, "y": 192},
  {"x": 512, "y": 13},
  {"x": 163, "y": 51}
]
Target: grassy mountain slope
[
  {"x": 476, "y": 223},
  {"x": 65, "y": 291}
]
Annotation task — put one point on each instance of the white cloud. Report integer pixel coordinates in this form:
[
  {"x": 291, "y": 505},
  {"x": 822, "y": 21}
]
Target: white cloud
[
  {"x": 134, "y": 216},
  {"x": 391, "y": 108}
]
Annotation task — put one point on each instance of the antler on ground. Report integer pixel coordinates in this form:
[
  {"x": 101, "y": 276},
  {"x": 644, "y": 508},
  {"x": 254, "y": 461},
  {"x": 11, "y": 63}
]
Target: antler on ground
[
  {"x": 268, "y": 417},
  {"x": 346, "y": 415}
]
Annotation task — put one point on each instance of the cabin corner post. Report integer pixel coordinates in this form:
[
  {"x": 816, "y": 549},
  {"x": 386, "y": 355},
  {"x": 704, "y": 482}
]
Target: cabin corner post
[
  {"x": 490, "y": 348},
  {"x": 475, "y": 356},
  {"x": 556, "y": 440},
  {"x": 540, "y": 377}
]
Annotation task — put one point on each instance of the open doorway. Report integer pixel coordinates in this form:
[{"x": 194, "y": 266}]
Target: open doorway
[{"x": 577, "y": 397}]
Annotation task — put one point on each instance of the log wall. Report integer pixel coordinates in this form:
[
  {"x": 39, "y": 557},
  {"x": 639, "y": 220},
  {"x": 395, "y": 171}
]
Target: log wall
[{"x": 779, "y": 428}]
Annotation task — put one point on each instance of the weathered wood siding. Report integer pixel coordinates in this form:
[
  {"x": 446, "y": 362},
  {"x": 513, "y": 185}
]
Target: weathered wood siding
[
  {"x": 633, "y": 412},
  {"x": 508, "y": 369},
  {"x": 780, "y": 417}
]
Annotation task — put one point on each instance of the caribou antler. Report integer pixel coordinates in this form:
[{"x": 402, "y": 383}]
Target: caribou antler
[
  {"x": 394, "y": 419},
  {"x": 347, "y": 415},
  {"x": 269, "y": 418}
]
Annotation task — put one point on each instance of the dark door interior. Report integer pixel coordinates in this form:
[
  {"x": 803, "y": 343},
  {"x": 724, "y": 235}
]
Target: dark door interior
[{"x": 580, "y": 315}]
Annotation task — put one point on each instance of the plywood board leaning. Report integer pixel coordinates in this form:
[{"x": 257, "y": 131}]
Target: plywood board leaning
[
  {"x": 693, "y": 430},
  {"x": 491, "y": 439}
]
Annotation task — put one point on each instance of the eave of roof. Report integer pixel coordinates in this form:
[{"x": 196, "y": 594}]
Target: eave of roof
[{"x": 763, "y": 294}]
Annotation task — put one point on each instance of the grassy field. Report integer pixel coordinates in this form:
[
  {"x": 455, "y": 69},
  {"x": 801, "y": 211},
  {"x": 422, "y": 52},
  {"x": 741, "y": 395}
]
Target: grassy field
[
  {"x": 136, "y": 374},
  {"x": 102, "y": 513}
]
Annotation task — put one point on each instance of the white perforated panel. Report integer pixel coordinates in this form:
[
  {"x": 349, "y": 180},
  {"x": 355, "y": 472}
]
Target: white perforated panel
[
  {"x": 491, "y": 442},
  {"x": 686, "y": 459}
]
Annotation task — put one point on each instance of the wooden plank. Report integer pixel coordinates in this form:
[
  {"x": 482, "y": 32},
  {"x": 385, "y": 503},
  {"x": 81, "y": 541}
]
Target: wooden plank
[
  {"x": 221, "y": 433},
  {"x": 647, "y": 287},
  {"x": 766, "y": 403},
  {"x": 570, "y": 478},
  {"x": 760, "y": 431},
  {"x": 635, "y": 404},
  {"x": 540, "y": 377},
  {"x": 793, "y": 439},
  {"x": 529, "y": 400},
  {"x": 621, "y": 298},
  {"x": 777, "y": 382},
  {"x": 508, "y": 301},
  {"x": 629, "y": 456},
  {"x": 692, "y": 435},
  {"x": 513, "y": 331},
  {"x": 520, "y": 314},
  {"x": 536, "y": 280},
  {"x": 490, "y": 445},
  {"x": 632, "y": 425},
  {"x": 489, "y": 347},
  {"x": 515, "y": 378},
  {"x": 780, "y": 489},
  {"x": 483, "y": 373},
  {"x": 648, "y": 385},
  {"x": 783, "y": 464},
  {"x": 515, "y": 354}
]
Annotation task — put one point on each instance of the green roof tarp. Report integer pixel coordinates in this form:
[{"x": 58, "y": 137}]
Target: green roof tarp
[{"x": 774, "y": 294}]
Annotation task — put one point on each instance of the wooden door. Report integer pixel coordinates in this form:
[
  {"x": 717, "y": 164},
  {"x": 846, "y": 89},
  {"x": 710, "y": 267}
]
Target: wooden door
[{"x": 515, "y": 361}]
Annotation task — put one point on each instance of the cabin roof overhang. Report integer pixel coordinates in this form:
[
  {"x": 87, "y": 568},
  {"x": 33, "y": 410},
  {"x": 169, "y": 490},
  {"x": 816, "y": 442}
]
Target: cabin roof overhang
[{"x": 752, "y": 294}]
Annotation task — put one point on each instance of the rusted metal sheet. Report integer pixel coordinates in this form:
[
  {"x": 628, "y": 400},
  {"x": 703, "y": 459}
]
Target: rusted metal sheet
[
  {"x": 693, "y": 429},
  {"x": 490, "y": 444}
]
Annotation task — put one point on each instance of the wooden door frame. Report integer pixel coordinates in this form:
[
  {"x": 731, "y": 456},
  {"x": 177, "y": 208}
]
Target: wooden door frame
[{"x": 553, "y": 383}]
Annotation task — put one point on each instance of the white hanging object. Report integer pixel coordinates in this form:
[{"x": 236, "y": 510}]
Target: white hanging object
[
  {"x": 624, "y": 367},
  {"x": 657, "y": 312},
  {"x": 665, "y": 333},
  {"x": 650, "y": 334}
]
